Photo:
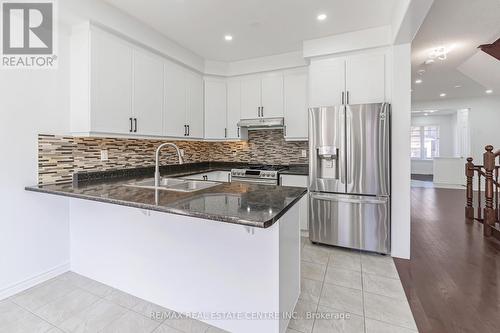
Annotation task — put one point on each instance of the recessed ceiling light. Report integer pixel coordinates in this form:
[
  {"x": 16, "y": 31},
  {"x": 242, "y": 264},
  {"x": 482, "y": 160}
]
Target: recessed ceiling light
[
  {"x": 442, "y": 95},
  {"x": 418, "y": 81},
  {"x": 489, "y": 91},
  {"x": 228, "y": 38},
  {"x": 426, "y": 114},
  {"x": 321, "y": 17},
  {"x": 458, "y": 86},
  {"x": 429, "y": 61}
]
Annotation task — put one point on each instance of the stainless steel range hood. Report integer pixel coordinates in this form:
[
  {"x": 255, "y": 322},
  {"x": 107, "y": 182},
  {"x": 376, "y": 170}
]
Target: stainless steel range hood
[{"x": 262, "y": 123}]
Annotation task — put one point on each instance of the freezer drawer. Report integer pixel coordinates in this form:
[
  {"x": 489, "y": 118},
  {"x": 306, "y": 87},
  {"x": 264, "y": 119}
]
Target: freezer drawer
[{"x": 357, "y": 222}]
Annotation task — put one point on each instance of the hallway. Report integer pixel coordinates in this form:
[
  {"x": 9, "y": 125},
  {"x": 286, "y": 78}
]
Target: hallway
[{"x": 452, "y": 278}]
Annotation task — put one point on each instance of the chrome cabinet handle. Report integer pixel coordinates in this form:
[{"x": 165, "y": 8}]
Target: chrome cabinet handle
[
  {"x": 343, "y": 98},
  {"x": 347, "y": 97}
]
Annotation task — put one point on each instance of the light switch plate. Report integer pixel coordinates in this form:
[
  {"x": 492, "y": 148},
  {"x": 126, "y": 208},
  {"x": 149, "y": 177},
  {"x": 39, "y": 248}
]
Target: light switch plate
[
  {"x": 304, "y": 153},
  {"x": 104, "y": 155}
]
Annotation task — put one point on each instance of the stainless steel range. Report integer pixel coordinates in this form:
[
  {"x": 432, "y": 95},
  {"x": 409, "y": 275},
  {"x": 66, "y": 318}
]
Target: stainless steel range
[{"x": 259, "y": 174}]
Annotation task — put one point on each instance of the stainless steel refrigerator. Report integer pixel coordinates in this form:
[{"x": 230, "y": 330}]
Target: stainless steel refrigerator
[{"x": 349, "y": 176}]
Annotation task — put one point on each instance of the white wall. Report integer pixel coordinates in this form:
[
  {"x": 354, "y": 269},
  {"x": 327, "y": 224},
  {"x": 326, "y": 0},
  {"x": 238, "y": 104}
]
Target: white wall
[
  {"x": 34, "y": 228},
  {"x": 484, "y": 118},
  {"x": 401, "y": 120}
]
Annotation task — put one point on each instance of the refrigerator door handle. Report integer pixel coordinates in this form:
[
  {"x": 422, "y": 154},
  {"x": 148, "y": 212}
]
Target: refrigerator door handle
[{"x": 333, "y": 197}]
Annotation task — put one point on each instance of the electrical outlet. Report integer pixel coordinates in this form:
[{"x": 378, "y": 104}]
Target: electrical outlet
[
  {"x": 104, "y": 155},
  {"x": 304, "y": 153},
  {"x": 182, "y": 152}
]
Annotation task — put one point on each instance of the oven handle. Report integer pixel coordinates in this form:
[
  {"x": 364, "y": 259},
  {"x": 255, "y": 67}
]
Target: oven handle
[{"x": 255, "y": 180}]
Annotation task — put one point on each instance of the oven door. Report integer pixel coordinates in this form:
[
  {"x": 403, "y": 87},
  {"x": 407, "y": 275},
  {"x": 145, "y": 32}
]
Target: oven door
[{"x": 255, "y": 180}]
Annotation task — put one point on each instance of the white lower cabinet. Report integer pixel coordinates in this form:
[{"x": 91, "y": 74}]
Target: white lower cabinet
[
  {"x": 299, "y": 181},
  {"x": 217, "y": 176}
]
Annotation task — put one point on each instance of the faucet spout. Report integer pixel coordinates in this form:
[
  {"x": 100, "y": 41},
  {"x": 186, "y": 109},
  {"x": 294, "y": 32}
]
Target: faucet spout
[{"x": 157, "y": 159}]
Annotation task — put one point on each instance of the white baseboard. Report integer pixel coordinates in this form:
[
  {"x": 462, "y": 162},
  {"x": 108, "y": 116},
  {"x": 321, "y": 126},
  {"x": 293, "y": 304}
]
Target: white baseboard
[{"x": 33, "y": 281}]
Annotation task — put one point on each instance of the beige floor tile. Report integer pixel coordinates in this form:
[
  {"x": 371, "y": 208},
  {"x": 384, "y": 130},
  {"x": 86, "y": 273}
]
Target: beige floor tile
[
  {"x": 15, "y": 319},
  {"x": 83, "y": 282},
  {"x": 186, "y": 324},
  {"x": 94, "y": 318},
  {"x": 315, "y": 254},
  {"x": 345, "y": 260},
  {"x": 343, "y": 277},
  {"x": 384, "y": 286},
  {"x": 166, "y": 329},
  {"x": 291, "y": 330},
  {"x": 379, "y": 265},
  {"x": 310, "y": 290},
  {"x": 375, "y": 326},
  {"x": 58, "y": 311},
  {"x": 42, "y": 294},
  {"x": 131, "y": 322},
  {"x": 338, "y": 322},
  {"x": 342, "y": 298},
  {"x": 150, "y": 310},
  {"x": 390, "y": 310},
  {"x": 312, "y": 271},
  {"x": 303, "y": 321},
  {"x": 121, "y": 298}
]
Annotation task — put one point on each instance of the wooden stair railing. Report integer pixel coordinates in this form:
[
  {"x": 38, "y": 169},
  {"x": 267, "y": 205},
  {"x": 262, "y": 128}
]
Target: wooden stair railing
[{"x": 489, "y": 215}]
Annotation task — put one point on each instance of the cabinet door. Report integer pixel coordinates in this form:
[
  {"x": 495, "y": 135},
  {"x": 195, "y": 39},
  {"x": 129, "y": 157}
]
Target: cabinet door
[
  {"x": 174, "y": 117},
  {"x": 365, "y": 78},
  {"x": 296, "y": 117},
  {"x": 195, "y": 119},
  {"x": 272, "y": 95},
  {"x": 326, "y": 82},
  {"x": 250, "y": 97},
  {"x": 111, "y": 84},
  {"x": 215, "y": 109},
  {"x": 148, "y": 93},
  {"x": 233, "y": 109}
]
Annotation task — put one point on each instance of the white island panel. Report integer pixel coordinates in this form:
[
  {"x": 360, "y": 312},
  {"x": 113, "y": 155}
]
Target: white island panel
[{"x": 191, "y": 265}]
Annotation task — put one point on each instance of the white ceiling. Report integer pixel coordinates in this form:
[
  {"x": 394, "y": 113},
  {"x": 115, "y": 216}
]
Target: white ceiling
[
  {"x": 259, "y": 27},
  {"x": 465, "y": 24}
]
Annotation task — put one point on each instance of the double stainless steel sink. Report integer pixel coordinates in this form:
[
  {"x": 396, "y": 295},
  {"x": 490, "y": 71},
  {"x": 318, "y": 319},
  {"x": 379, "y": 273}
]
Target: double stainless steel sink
[{"x": 175, "y": 184}]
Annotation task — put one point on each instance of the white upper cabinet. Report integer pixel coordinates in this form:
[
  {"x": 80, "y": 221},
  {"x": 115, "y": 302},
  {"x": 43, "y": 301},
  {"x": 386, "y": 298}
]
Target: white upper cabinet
[
  {"x": 215, "y": 108},
  {"x": 272, "y": 95},
  {"x": 110, "y": 85},
  {"x": 326, "y": 82},
  {"x": 296, "y": 106},
  {"x": 250, "y": 97},
  {"x": 148, "y": 94},
  {"x": 356, "y": 79},
  {"x": 194, "y": 116},
  {"x": 174, "y": 118},
  {"x": 262, "y": 96},
  {"x": 234, "y": 110},
  {"x": 365, "y": 78}
]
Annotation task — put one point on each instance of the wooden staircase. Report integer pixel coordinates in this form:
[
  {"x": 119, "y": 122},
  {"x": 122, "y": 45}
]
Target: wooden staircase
[{"x": 487, "y": 174}]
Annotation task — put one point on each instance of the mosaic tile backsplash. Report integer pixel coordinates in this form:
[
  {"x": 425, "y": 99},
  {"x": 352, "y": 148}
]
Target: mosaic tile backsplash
[{"x": 60, "y": 156}]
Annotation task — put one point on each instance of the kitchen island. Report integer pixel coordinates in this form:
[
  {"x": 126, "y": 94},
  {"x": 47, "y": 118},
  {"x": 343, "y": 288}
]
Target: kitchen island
[{"x": 228, "y": 255}]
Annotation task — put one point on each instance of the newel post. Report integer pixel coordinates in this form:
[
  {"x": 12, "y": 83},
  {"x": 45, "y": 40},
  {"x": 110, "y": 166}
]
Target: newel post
[
  {"x": 489, "y": 212},
  {"x": 469, "y": 173}
]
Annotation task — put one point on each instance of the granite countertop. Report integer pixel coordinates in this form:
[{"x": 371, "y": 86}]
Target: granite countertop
[{"x": 239, "y": 203}]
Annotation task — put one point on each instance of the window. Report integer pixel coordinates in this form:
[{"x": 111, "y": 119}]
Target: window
[{"x": 424, "y": 142}]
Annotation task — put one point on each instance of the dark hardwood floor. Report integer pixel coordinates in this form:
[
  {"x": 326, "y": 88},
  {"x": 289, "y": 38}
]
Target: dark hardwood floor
[{"x": 452, "y": 280}]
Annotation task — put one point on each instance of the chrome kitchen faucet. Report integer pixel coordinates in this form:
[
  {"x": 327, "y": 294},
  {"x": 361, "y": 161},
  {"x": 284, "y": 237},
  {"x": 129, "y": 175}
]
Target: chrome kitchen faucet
[{"x": 157, "y": 160}]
